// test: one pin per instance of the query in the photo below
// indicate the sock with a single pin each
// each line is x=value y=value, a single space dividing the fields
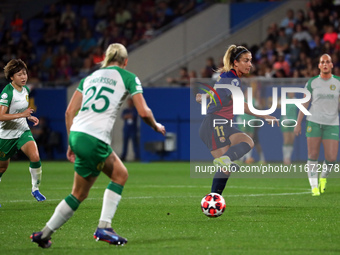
x=312 y=174
x=1 y=175
x=237 y=151
x=36 y=173
x=248 y=155
x=326 y=170
x=112 y=196
x=287 y=151
x=262 y=156
x=219 y=182
x=63 y=212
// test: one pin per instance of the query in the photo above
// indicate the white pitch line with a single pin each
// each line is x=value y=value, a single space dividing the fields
x=162 y=197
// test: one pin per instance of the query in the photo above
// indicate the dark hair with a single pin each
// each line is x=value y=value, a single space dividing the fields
x=14 y=66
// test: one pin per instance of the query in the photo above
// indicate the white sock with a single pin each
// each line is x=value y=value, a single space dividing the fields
x=312 y=173
x=248 y=155
x=326 y=169
x=110 y=203
x=61 y=214
x=36 y=174
x=286 y=152
x=262 y=156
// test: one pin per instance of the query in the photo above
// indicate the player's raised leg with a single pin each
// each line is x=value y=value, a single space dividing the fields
x=118 y=174
x=65 y=209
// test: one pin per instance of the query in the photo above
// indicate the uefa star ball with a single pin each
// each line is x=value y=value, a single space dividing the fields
x=213 y=205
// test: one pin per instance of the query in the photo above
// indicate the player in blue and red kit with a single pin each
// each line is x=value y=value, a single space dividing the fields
x=225 y=141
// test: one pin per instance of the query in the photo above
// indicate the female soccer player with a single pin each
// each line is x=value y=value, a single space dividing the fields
x=322 y=124
x=98 y=99
x=288 y=132
x=226 y=142
x=14 y=131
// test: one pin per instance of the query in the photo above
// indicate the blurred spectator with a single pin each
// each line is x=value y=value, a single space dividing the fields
x=98 y=55
x=87 y=44
x=17 y=23
x=71 y=42
x=7 y=40
x=67 y=29
x=62 y=56
x=301 y=34
x=76 y=61
x=83 y=28
x=100 y=8
x=288 y=22
x=51 y=18
x=300 y=17
x=149 y=31
x=122 y=16
x=183 y=79
x=68 y=14
x=330 y=35
x=210 y=66
x=282 y=43
x=281 y=63
x=86 y=68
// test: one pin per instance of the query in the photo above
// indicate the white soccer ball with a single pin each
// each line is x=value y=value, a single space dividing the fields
x=213 y=205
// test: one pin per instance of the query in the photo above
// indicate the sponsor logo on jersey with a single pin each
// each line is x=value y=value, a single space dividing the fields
x=27 y=98
x=332 y=87
x=309 y=129
x=139 y=87
x=2 y=154
x=235 y=82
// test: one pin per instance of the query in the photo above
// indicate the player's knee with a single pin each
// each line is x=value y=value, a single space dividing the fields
x=34 y=157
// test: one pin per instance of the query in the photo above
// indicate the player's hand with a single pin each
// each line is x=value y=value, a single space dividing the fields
x=70 y=155
x=35 y=120
x=160 y=128
x=27 y=112
x=198 y=98
x=271 y=119
x=297 y=130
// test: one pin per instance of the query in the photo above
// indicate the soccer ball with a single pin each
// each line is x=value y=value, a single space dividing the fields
x=213 y=205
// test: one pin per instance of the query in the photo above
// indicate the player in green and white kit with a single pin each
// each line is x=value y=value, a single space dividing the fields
x=98 y=98
x=288 y=132
x=14 y=131
x=322 y=124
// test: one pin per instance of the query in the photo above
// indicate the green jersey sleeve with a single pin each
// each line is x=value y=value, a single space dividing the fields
x=6 y=96
x=81 y=85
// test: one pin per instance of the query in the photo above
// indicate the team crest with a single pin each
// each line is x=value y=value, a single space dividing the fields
x=235 y=82
x=332 y=87
x=27 y=98
x=309 y=129
x=100 y=166
x=222 y=139
x=2 y=154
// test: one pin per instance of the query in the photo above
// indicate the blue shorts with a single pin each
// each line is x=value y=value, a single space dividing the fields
x=218 y=136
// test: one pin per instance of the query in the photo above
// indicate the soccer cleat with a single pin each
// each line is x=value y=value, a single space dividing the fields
x=225 y=162
x=315 y=192
x=43 y=243
x=322 y=184
x=38 y=196
x=109 y=235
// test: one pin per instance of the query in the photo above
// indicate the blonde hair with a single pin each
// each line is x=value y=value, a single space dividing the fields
x=233 y=53
x=116 y=52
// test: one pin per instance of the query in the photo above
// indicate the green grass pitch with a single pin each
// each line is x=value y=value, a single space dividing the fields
x=160 y=214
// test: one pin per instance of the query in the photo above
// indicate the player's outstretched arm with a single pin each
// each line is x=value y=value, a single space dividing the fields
x=146 y=114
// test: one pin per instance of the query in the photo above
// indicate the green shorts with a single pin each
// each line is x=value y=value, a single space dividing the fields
x=325 y=131
x=91 y=153
x=8 y=147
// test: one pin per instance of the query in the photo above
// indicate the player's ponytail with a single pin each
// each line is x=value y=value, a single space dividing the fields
x=116 y=52
x=233 y=53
